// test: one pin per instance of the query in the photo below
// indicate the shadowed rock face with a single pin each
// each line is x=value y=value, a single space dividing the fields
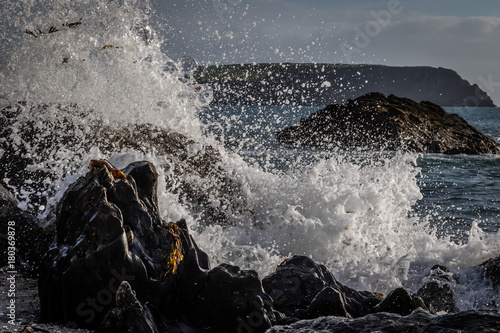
x=491 y=270
x=419 y=322
x=376 y=122
x=116 y=266
x=109 y=232
x=193 y=170
x=303 y=289
x=437 y=291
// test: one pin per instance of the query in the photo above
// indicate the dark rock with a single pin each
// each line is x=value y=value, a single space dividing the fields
x=438 y=295
x=98 y=246
x=377 y=122
x=320 y=84
x=442 y=273
x=400 y=301
x=437 y=291
x=418 y=321
x=225 y=298
x=300 y=287
x=109 y=232
x=328 y=302
x=28 y=157
x=492 y=271
x=129 y=315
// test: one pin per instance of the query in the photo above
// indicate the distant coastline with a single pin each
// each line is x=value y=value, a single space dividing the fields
x=323 y=84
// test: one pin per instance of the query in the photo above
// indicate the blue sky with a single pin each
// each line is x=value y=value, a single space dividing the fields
x=463 y=35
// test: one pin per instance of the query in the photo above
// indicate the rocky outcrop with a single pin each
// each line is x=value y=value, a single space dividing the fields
x=30 y=163
x=401 y=302
x=491 y=270
x=302 y=289
x=377 y=122
x=320 y=84
x=129 y=314
x=418 y=321
x=437 y=289
x=109 y=232
x=116 y=266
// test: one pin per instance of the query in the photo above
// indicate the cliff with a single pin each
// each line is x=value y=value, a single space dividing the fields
x=323 y=84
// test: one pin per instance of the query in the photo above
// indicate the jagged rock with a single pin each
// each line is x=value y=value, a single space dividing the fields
x=437 y=291
x=400 y=301
x=376 y=122
x=328 y=302
x=418 y=321
x=301 y=288
x=31 y=144
x=226 y=298
x=492 y=271
x=108 y=232
x=129 y=315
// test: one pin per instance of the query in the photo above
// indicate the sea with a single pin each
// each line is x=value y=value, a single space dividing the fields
x=378 y=220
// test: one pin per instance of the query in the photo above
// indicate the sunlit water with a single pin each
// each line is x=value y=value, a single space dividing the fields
x=457 y=190
x=377 y=220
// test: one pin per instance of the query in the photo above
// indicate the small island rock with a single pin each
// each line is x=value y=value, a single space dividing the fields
x=377 y=122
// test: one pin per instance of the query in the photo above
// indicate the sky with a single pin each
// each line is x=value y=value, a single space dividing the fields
x=463 y=35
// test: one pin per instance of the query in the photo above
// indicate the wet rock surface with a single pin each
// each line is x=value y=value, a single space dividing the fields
x=491 y=269
x=194 y=170
x=400 y=301
x=116 y=266
x=418 y=321
x=301 y=288
x=109 y=232
x=129 y=314
x=437 y=290
x=377 y=122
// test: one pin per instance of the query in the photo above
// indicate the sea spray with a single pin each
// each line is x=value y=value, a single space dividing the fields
x=72 y=68
x=102 y=56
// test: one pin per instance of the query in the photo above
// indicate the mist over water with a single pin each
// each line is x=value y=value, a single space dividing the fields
x=99 y=63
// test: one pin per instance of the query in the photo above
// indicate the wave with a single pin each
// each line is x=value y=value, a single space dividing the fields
x=99 y=64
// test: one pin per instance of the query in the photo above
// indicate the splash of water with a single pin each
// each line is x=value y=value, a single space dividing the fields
x=99 y=63
x=100 y=55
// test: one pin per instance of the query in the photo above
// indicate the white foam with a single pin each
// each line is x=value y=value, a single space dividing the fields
x=353 y=214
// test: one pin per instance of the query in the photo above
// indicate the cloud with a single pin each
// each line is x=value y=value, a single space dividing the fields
x=468 y=45
x=440 y=40
x=238 y=31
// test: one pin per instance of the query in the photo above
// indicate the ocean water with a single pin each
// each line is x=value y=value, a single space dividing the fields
x=457 y=190
x=378 y=220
